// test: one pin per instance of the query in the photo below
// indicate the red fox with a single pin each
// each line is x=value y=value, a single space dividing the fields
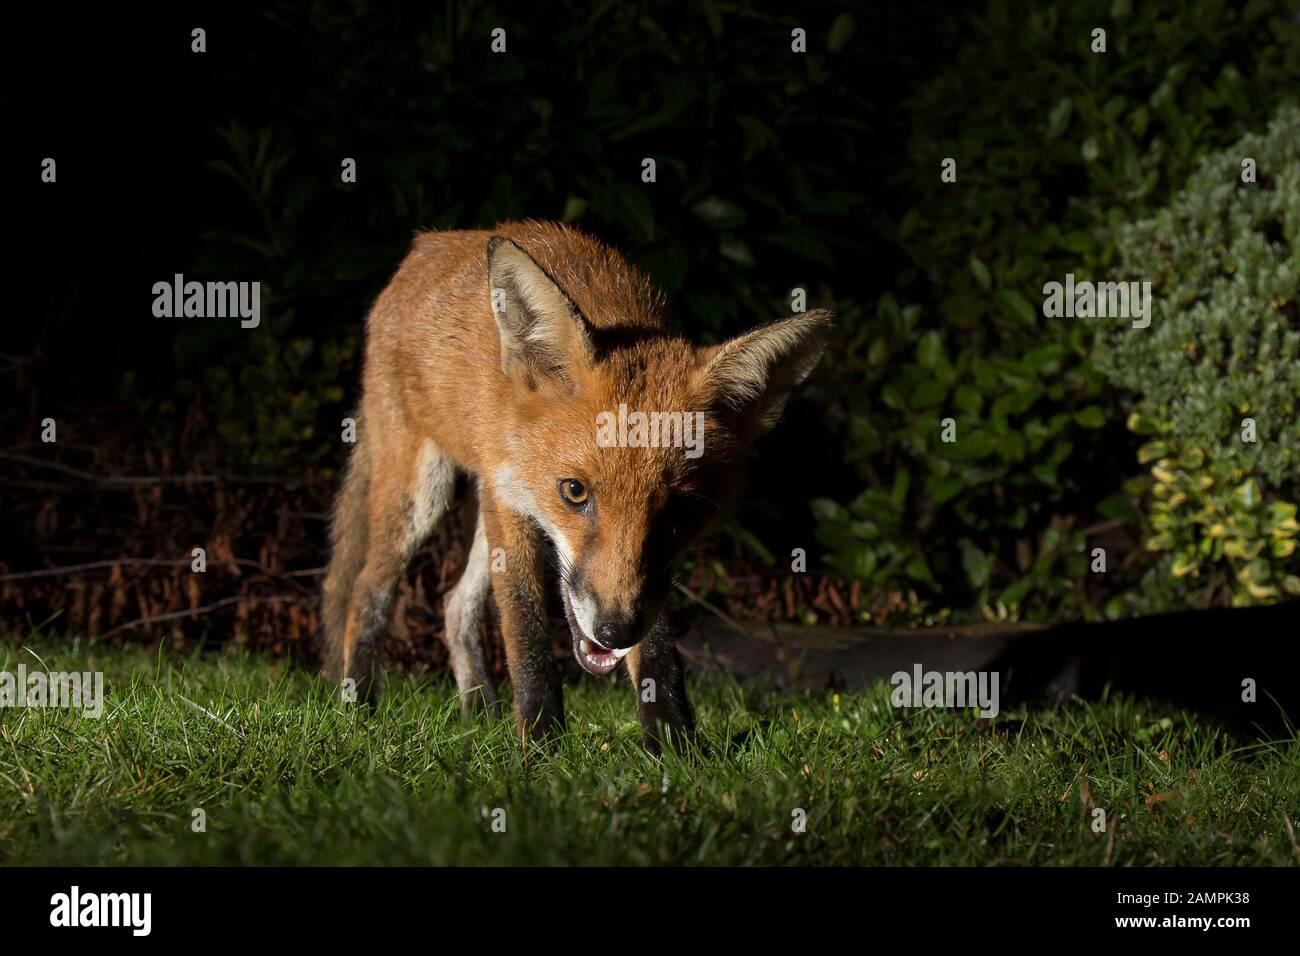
x=515 y=355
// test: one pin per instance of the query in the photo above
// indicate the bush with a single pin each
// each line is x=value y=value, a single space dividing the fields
x=1057 y=149
x=1217 y=372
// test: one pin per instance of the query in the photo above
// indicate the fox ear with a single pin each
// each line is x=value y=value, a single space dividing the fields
x=754 y=374
x=542 y=335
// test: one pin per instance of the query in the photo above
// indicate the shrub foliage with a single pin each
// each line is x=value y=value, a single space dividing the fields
x=1217 y=374
x=1057 y=148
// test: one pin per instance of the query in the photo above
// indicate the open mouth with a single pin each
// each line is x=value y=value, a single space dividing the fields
x=596 y=659
x=593 y=657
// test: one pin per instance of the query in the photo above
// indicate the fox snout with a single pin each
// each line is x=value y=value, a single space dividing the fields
x=605 y=630
x=619 y=632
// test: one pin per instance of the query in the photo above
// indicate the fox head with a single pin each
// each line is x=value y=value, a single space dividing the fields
x=625 y=443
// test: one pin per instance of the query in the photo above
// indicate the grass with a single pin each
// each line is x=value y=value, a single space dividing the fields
x=285 y=774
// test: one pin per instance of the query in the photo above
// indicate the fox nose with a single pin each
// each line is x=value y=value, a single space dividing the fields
x=616 y=632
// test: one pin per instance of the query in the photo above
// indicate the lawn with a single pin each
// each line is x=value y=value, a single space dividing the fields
x=284 y=773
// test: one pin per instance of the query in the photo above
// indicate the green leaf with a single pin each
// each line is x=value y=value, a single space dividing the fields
x=928 y=394
x=946 y=490
x=898 y=494
x=719 y=213
x=824 y=509
x=1161 y=542
x=734 y=249
x=1280 y=511
x=714 y=18
x=929 y=352
x=1045 y=359
x=1246 y=495
x=919 y=570
x=981 y=273
x=1079 y=242
x=750 y=540
x=574 y=207
x=841 y=30
x=1059 y=118
x=878 y=351
x=1090 y=417
x=1016 y=592
x=1137 y=121
x=1015 y=305
x=975 y=563
x=1152 y=451
x=968 y=400
x=970 y=447
x=1116 y=506
x=1141 y=424
x=1016 y=402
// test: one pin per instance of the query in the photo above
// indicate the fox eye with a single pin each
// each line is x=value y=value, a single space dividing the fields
x=574 y=492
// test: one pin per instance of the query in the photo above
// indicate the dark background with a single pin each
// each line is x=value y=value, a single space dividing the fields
x=446 y=135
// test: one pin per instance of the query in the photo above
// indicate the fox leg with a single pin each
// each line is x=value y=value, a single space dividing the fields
x=521 y=605
x=400 y=514
x=655 y=668
x=464 y=626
